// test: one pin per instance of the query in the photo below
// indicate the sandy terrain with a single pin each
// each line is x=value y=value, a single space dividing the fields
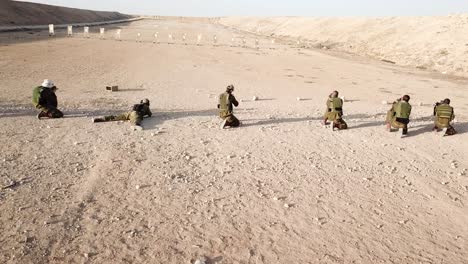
x=433 y=43
x=280 y=189
x=15 y=13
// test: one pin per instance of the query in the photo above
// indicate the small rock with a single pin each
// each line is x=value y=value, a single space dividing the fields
x=255 y=98
x=137 y=187
x=200 y=261
x=384 y=102
x=286 y=205
x=298 y=99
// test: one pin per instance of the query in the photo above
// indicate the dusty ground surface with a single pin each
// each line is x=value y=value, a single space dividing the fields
x=434 y=43
x=280 y=189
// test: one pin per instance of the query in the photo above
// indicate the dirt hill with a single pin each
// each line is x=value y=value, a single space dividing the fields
x=13 y=13
x=433 y=43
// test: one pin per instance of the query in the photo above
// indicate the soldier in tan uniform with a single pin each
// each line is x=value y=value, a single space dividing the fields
x=334 y=112
x=444 y=114
x=399 y=115
x=135 y=116
x=226 y=110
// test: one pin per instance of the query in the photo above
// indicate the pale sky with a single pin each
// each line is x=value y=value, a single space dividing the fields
x=272 y=7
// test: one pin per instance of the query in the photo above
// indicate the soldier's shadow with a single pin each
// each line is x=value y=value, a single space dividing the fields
x=461 y=128
x=159 y=117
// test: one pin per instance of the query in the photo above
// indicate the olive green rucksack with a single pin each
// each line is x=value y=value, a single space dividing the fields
x=402 y=110
x=444 y=111
x=335 y=104
x=223 y=101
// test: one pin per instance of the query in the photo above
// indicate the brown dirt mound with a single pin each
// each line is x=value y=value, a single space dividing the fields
x=13 y=13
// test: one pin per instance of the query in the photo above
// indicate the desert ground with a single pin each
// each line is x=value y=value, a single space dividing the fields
x=280 y=189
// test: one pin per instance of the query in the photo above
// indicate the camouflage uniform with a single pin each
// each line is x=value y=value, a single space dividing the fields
x=135 y=116
x=400 y=117
x=45 y=99
x=444 y=114
x=334 y=113
x=225 y=106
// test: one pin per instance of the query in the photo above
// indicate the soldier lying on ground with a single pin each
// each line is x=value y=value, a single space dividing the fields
x=135 y=116
x=45 y=99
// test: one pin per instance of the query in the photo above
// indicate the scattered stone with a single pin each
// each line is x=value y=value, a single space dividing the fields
x=385 y=102
x=298 y=99
x=137 y=187
x=255 y=98
x=287 y=205
x=200 y=261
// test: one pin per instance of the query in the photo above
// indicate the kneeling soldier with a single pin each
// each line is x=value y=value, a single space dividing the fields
x=45 y=99
x=444 y=114
x=226 y=109
x=400 y=116
x=334 y=112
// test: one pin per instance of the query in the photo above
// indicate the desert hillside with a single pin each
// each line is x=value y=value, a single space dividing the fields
x=13 y=13
x=433 y=43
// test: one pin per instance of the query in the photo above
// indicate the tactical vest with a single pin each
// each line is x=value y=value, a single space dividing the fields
x=224 y=102
x=402 y=110
x=335 y=104
x=444 y=111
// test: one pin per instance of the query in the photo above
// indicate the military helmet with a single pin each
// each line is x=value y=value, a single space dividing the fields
x=446 y=101
x=145 y=101
x=406 y=98
x=230 y=88
x=334 y=94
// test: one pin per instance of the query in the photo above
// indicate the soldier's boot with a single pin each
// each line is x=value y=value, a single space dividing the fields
x=333 y=126
x=223 y=124
x=41 y=115
x=444 y=132
x=98 y=120
x=402 y=132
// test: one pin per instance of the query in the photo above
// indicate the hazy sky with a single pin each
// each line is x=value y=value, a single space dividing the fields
x=272 y=7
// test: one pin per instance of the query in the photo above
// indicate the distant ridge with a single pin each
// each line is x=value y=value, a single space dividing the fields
x=15 y=13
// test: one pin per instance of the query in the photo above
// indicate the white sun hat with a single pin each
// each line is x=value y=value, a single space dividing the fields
x=47 y=83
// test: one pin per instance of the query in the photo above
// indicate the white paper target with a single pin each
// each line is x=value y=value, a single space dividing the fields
x=118 y=34
x=70 y=31
x=51 y=30
x=86 y=32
